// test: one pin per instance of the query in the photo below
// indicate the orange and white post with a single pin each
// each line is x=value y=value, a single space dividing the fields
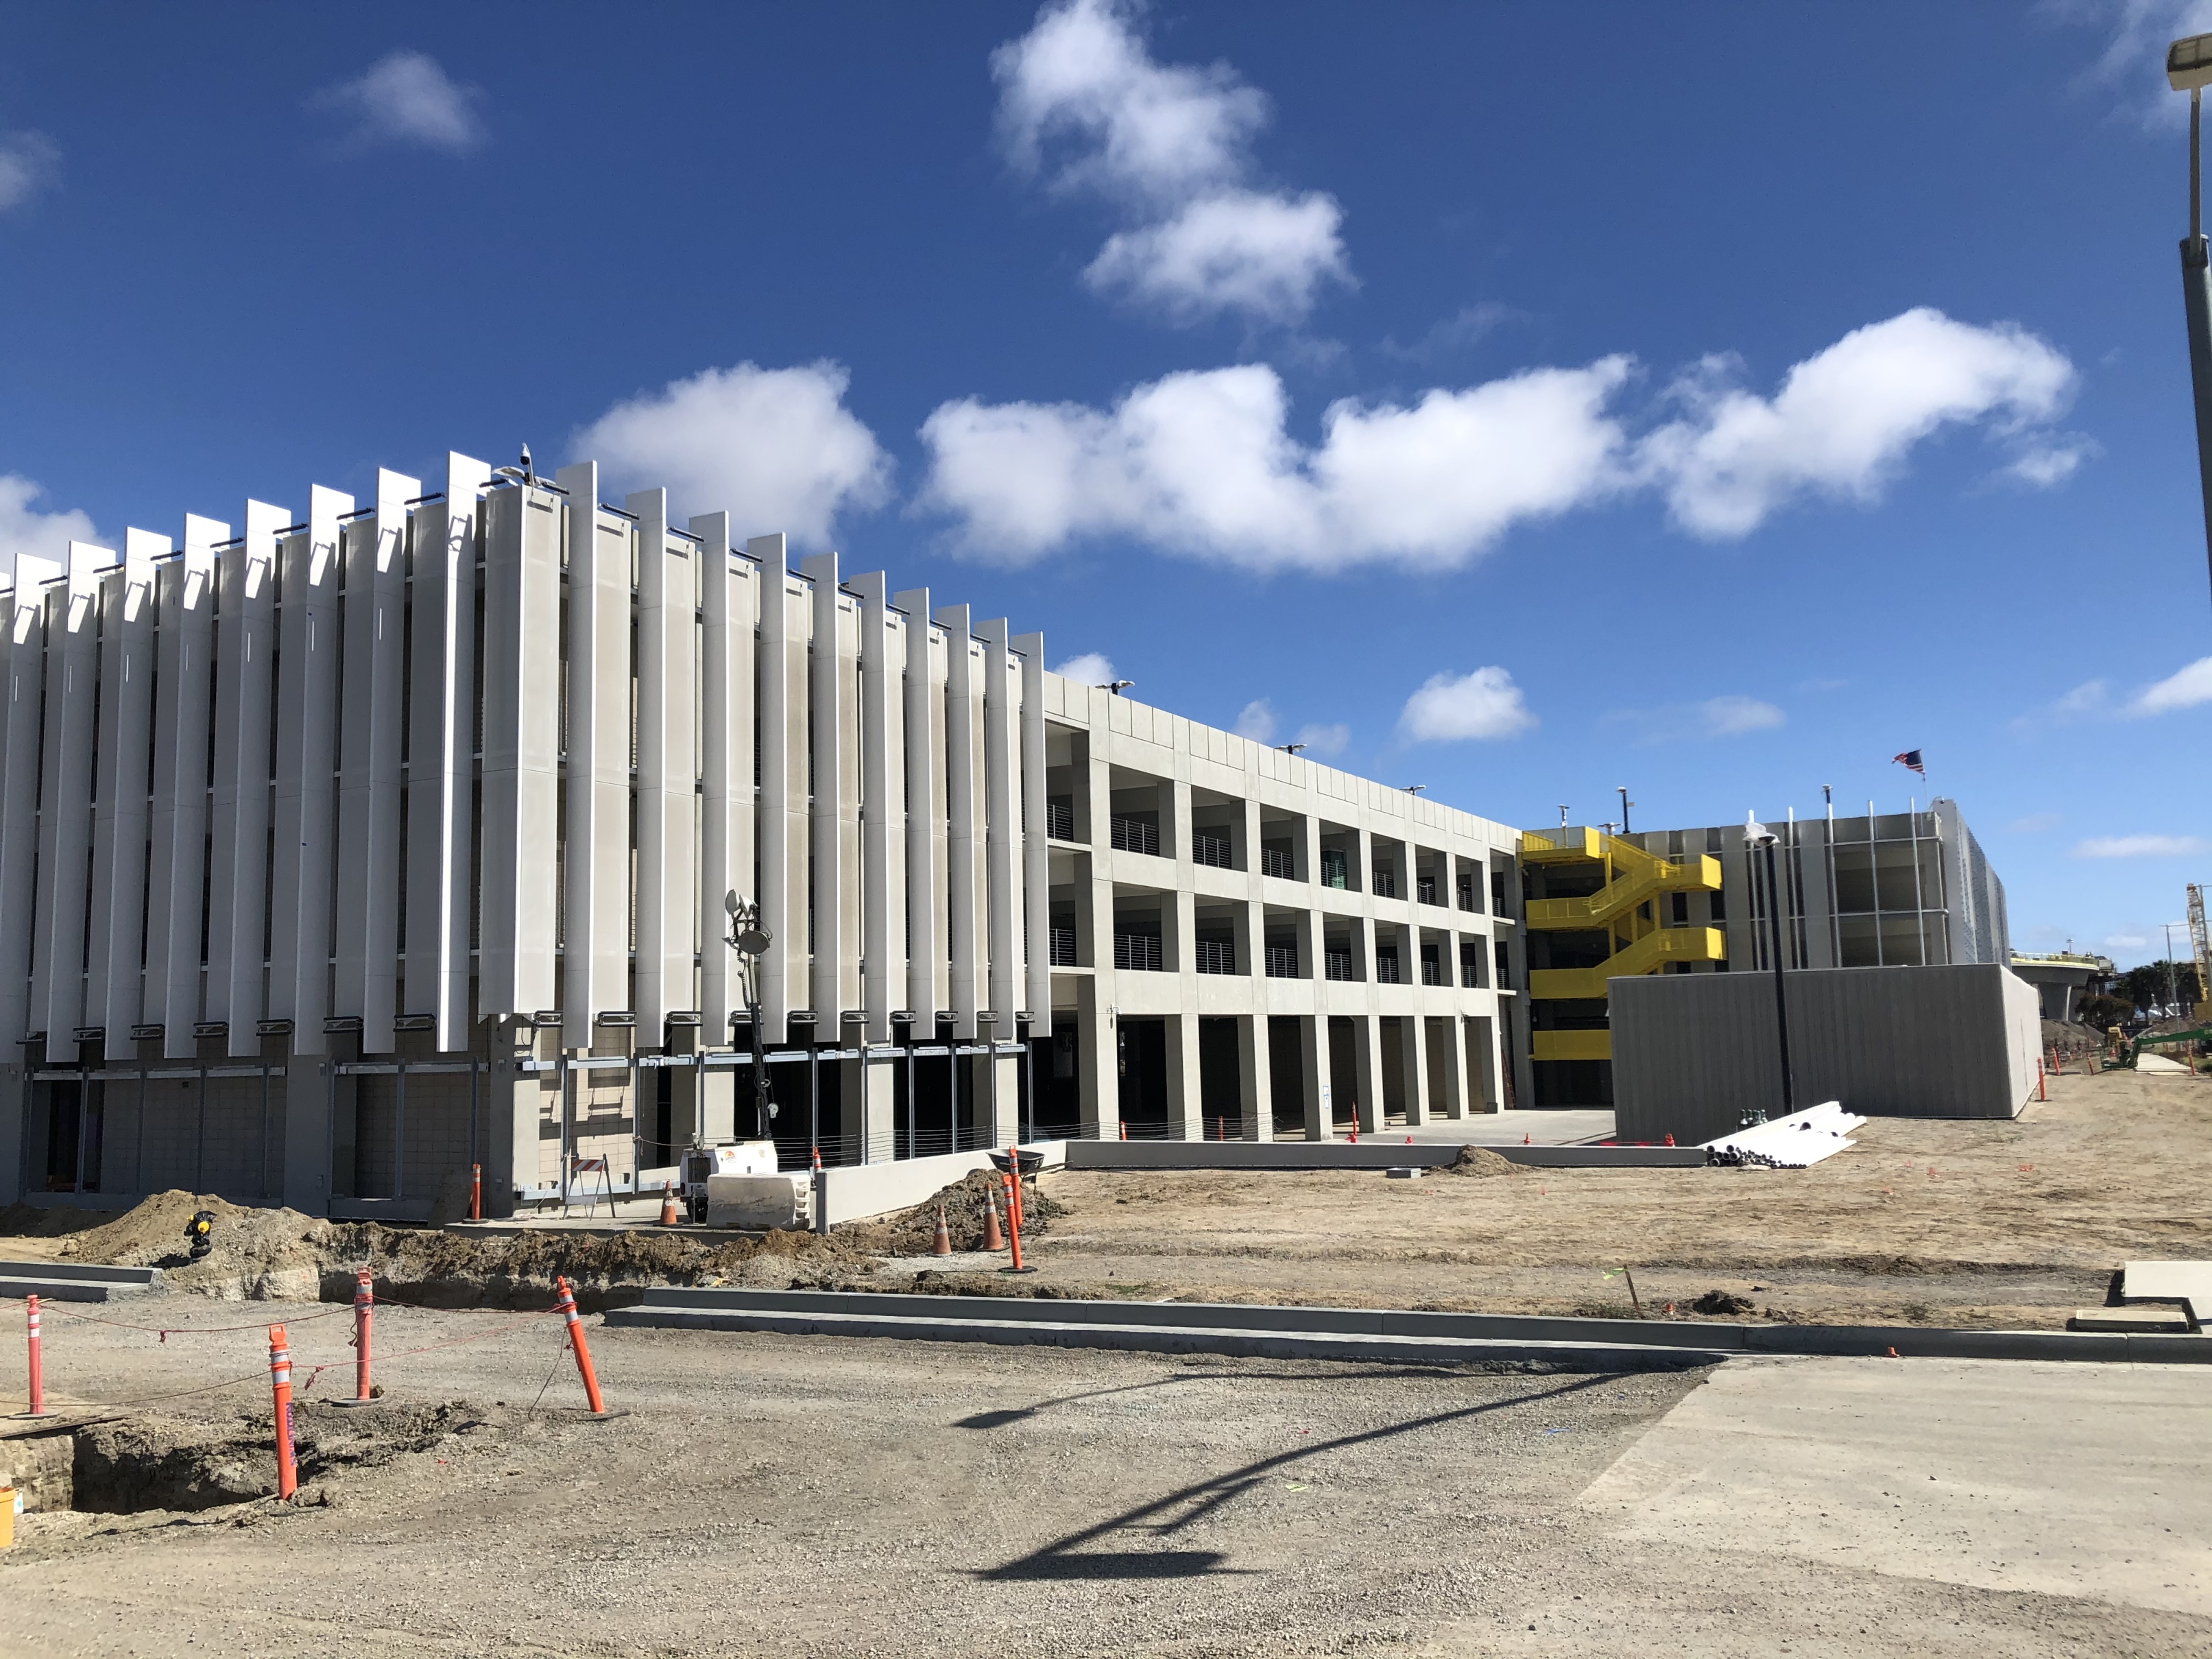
x=280 y=1385
x=364 y=1310
x=581 y=1348
x=35 y=1359
x=476 y=1191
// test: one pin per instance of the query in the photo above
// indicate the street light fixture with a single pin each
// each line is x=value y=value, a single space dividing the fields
x=1117 y=687
x=902 y=1032
x=1757 y=837
x=2189 y=68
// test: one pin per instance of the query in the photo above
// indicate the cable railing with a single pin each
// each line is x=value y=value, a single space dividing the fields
x=1211 y=850
x=1131 y=835
x=1060 y=948
x=1139 y=953
x=1278 y=861
x=1282 y=960
x=1216 y=956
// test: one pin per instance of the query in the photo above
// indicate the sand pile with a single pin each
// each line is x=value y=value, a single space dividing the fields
x=1481 y=1161
x=256 y=1253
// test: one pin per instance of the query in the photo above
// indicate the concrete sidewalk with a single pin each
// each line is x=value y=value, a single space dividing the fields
x=2090 y=1482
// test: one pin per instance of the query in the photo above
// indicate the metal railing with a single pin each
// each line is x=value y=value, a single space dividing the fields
x=1216 y=956
x=1059 y=819
x=1273 y=862
x=1386 y=968
x=1386 y=883
x=1212 y=850
x=1432 y=971
x=1060 y=948
x=1337 y=964
x=1139 y=952
x=1282 y=960
x=1135 y=836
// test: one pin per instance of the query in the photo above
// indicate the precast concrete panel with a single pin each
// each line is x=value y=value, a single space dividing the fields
x=183 y=718
x=1037 y=856
x=730 y=612
x=830 y=695
x=520 y=901
x=440 y=788
x=667 y=776
x=595 y=977
x=883 y=816
x=72 y=696
x=238 y=892
x=921 y=760
x=115 y=974
x=306 y=806
x=1002 y=822
x=782 y=829
x=23 y=606
x=370 y=746
x=966 y=892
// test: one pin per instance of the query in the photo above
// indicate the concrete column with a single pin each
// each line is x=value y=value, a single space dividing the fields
x=1255 y=1080
x=833 y=824
x=520 y=901
x=1004 y=1107
x=1313 y=1075
x=873 y=1083
x=668 y=890
x=1482 y=1064
x=1413 y=1066
x=1006 y=982
x=1098 y=1101
x=1186 y=1098
x=1367 y=1070
x=119 y=825
x=1035 y=872
x=1449 y=1048
x=21 y=650
x=72 y=694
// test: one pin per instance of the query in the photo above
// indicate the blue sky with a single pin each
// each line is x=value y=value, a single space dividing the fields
x=1714 y=400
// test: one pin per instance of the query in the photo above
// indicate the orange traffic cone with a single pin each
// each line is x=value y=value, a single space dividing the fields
x=994 y=1238
x=942 y=1244
x=1125 y=1132
x=667 y=1204
x=1524 y=1137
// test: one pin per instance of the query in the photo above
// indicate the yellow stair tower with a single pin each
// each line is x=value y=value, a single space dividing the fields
x=1625 y=908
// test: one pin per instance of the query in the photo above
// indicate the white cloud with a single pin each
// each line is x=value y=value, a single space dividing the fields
x=406 y=98
x=24 y=529
x=1256 y=721
x=2184 y=689
x=1202 y=463
x=2034 y=823
x=1452 y=707
x=1845 y=418
x=1262 y=255
x=1082 y=100
x=1329 y=740
x=1726 y=716
x=2086 y=698
x=1091 y=668
x=775 y=447
x=28 y=163
x=2126 y=942
x=2047 y=464
x=2141 y=846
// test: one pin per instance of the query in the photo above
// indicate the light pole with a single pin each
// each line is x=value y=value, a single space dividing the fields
x=750 y=941
x=902 y=1026
x=1757 y=837
x=1621 y=790
x=987 y=1026
x=2189 y=68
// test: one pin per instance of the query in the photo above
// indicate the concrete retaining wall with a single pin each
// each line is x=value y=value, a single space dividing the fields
x=1691 y=1053
x=858 y=1191
x=1345 y=1155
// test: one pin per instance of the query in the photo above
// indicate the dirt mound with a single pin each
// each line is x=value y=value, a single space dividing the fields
x=39 y=1221
x=255 y=1254
x=151 y=1461
x=911 y=1233
x=1721 y=1305
x=1481 y=1161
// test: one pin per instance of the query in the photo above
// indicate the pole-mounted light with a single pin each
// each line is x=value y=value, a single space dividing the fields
x=1757 y=838
x=2189 y=68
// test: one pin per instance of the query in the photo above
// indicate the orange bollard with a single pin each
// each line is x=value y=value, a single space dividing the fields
x=1014 y=1186
x=280 y=1385
x=993 y=1239
x=2039 y=1093
x=1014 y=1216
x=364 y=1306
x=580 y=1347
x=668 y=1216
x=1125 y=1131
x=35 y=1359
x=1669 y=1140
x=942 y=1244
x=817 y=1160
x=476 y=1191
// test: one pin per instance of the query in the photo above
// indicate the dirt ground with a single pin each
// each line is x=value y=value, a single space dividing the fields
x=2011 y=1225
x=813 y=1497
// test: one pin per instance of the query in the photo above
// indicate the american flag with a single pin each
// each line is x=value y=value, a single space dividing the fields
x=1910 y=757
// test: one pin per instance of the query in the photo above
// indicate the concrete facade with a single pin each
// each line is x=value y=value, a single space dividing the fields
x=352 y=851
x=1694 y=1053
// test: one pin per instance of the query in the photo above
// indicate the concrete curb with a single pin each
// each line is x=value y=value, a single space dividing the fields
x=1381 y=1152
x=70 y=1281
x=1366 y=1332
